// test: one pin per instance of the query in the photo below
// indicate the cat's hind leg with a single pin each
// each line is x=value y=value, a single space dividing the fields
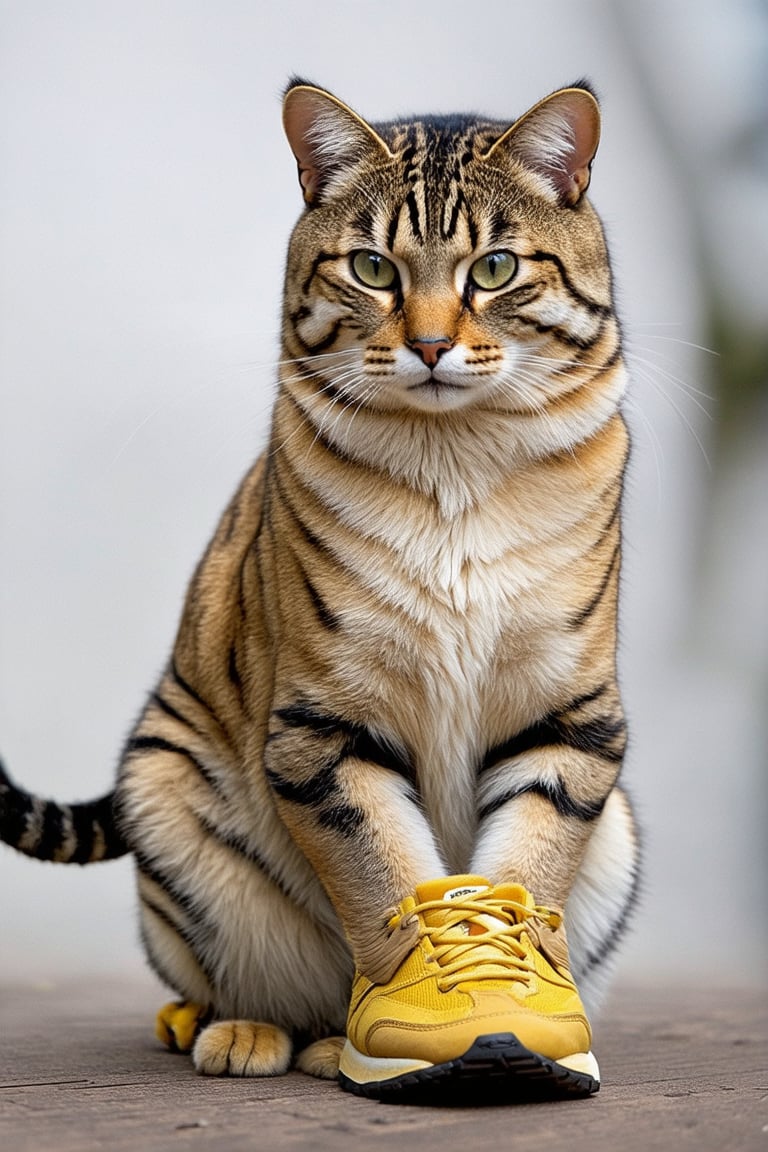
x=321 y=1058
x=242 y=1048
x=603 y=897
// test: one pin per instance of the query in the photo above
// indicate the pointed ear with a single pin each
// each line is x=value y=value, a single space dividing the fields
x=327 y=138
x=558 y=139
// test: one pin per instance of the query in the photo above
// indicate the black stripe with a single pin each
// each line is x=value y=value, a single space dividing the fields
x=183 y=935
x=609 y=523
x=169 y=710
x=557 y=795
x=161 y=915
x=51 y=833
x=233 y=671
x=594 y=737
x=363 y=744
x=325 y=342
x=583 y=615
x=450 y=231
x=15 y=811
x=583 y=343
x=302 y=715
x=173 y=712
x=322 y=792
x=243 y=599
x=591 y=305
x=413 y=212
x=617 y=930
x=90 y=819
x=140 y=744
x=611 y=362
x=309 y=793
x=324 y=614
x=84 y=834
x=241 y=846
x=392 y=230
x=321 y=258
x=500 y=227
x=187 y=687
x=525 y=294
x=359 y=742
x=299 y=314
x=316 y=793
x=314 y=541
x=181 y=899
x=363 y=221
x=540 y=735
x=471 y=226
x=407 y=156
x=342 y=818
x=598 y=736
x=586 y=698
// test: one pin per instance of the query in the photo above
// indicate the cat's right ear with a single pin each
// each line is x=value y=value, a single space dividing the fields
x=327 y=138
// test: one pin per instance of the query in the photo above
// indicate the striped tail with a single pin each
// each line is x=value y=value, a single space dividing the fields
x=65 y=833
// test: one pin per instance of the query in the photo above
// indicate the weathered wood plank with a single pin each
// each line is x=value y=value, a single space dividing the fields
x=79 y=1070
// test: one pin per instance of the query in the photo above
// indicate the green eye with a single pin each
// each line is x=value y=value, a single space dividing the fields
x=373 y=270
x=493 y=271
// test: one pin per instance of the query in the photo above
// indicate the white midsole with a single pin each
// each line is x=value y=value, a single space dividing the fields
x=365 y=1069
x=583 y=1062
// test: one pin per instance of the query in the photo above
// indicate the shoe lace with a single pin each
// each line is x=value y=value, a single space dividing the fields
x=480 y=939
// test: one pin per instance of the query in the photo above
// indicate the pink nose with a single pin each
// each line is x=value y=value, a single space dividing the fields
x=430 y=349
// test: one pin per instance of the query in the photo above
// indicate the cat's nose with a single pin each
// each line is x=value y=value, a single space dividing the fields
x=430 y=348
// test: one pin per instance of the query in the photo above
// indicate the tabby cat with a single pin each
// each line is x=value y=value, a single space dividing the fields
x=397 y=658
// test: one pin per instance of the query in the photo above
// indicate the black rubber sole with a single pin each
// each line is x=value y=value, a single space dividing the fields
x=497 y=1069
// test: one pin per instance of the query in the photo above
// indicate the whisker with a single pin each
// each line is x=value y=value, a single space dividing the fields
x=689 y=389
x=647 y=373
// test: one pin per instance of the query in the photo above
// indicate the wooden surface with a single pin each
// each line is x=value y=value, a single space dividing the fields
x=80 y=1070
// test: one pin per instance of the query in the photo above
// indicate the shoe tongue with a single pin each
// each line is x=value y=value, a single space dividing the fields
x=458 y=888
x=451 y=888
x=466 y=887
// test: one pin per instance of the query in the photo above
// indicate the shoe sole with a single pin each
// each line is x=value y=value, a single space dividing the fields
x=497 y=1069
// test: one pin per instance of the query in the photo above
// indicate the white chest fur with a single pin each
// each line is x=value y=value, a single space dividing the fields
x=462 y=653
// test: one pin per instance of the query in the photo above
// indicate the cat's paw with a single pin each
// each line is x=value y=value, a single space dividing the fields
x=178 y=1023
x=242 y=1048
x=321 y=1059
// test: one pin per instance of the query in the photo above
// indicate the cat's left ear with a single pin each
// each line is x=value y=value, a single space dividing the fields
x=558 y=139
x=327 y=138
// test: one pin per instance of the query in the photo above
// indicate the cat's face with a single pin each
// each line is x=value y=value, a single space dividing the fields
x=446 y=263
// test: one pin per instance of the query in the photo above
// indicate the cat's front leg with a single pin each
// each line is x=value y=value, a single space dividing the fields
x=551 y=817
x=347 y=797
x=541 y=790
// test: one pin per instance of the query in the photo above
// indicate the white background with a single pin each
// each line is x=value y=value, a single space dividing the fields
x=146 y=196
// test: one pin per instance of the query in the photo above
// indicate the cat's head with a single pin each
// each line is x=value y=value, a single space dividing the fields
x=447 y=261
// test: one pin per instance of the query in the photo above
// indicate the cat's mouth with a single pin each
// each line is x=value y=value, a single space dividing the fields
x=434 y=394
x=432 y=384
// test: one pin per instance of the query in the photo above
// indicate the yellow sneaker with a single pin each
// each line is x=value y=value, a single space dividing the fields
x=484 y=1004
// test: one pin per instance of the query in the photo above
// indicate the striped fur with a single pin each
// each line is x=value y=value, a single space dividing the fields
x=396 y=659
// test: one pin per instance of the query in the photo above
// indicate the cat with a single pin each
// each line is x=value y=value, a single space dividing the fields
x=396 y=661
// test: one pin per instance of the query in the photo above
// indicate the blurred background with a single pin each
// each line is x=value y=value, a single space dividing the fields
x=146 y=197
